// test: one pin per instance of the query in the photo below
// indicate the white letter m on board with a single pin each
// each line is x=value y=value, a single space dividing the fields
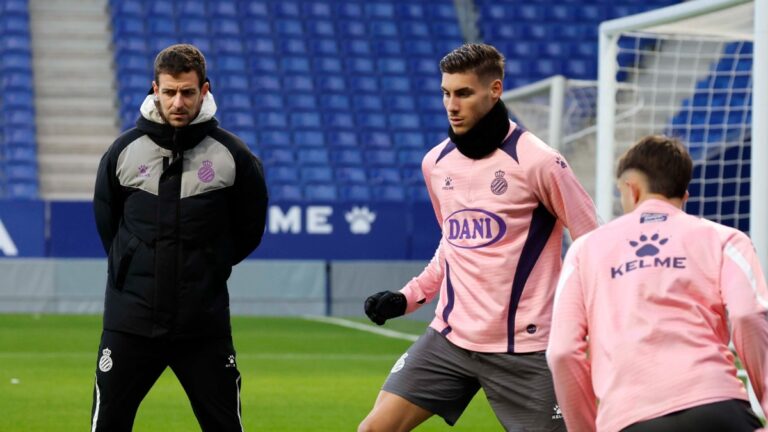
x=6 y=242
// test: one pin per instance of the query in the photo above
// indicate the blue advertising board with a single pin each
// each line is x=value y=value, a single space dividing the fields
x=73 y=230
x=341 y=231
x=22 y=229
x=326 y=231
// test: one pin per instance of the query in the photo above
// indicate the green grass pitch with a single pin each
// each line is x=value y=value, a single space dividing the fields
x=298 y=375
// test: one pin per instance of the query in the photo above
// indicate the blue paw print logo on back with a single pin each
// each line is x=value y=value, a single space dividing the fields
x=647 y=246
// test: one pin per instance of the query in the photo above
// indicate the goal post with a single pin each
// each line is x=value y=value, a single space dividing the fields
x=697 y=71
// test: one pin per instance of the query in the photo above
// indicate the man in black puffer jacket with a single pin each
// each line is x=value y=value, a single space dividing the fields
x=178 y=202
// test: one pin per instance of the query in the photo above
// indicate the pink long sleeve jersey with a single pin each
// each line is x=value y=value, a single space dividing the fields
x=650 y=292
x=498 y=260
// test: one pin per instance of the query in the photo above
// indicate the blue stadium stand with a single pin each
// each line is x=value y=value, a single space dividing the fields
x=712 y=122
x=18 y=145
x=349 y=86
x=540 y=39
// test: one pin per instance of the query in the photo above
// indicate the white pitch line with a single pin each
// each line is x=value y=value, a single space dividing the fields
x=256 y=356
x=363 y=327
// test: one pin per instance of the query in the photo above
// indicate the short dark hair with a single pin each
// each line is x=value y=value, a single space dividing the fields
x=482 y=59
x=665 y=162
x=180 y=58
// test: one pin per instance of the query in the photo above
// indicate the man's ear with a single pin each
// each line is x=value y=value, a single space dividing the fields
x=497 y=88
x=205 y=88
x=635 y=191
x=154 y=87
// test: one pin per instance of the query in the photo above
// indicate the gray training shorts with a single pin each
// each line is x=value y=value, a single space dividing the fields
x=442 y=378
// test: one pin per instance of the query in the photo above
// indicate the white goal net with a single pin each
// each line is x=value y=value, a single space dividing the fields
x=691 y=79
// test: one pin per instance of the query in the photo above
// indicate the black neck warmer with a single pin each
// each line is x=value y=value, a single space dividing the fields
x=484 y=137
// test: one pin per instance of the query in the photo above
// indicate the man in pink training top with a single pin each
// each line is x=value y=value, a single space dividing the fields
x=501 y=197
x=643 y=306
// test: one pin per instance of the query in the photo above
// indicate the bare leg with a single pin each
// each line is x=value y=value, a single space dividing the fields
x=392 y=413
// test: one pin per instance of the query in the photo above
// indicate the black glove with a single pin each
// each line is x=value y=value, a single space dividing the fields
x=385 y=305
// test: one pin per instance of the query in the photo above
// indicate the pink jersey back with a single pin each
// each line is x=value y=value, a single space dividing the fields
x=650 y=292
x=499 y=257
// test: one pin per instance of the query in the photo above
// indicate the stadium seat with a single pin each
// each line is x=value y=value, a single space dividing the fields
x=410 y=158
x=312 y=156
x=391 y=48
x=385 y=175
x=331 y=83
x=367 y=84
x=326 y=65
x=302 y=101
x=347 y=157
x=278 y=156
x=269 y=101
x=335 y=102
x=412 y=175
x=342 y=139
x=324 y=46
x=303 y=120
x=273 y=119
x=352 y=29
x=321 y=28
x=371 y=120
x=192 y=8
x=159 y=25
x=339 y=120
x=254 y=26
x=417 y=193
x=388 y=193
x=368 y=103
x=377 y=140
x=355 y=193
x=223 y=9
x=414 y=30
x=357 y=47
x=351 y=174
x=298 y=83
x=409 y=140
x=400 y=103
x=276 y=138
x=316 y=174
x=259 y=83
x=318 y=9
x=381 y=157
x=380 y=10
x=384 y=29
x=309 y=138
x=286 y=192
x=282 y=174
x=294 y=47
x=349 y=10
x=321 y=192
x=286 y=9
x=226 y=27
x=404 y=121
x=413 y=11
x=360 y=66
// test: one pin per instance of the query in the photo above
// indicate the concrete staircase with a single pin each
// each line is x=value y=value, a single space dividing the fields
x=75 y=97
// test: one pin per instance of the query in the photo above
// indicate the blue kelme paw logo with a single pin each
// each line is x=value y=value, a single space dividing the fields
x=648 y=249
